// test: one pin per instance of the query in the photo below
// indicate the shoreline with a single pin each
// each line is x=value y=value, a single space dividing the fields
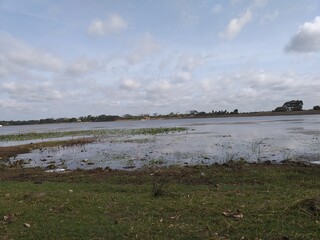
x=183 y=116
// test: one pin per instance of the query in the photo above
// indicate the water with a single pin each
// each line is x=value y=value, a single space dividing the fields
x=207 y=141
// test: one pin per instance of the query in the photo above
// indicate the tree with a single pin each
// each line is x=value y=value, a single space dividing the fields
x=316 y=107
x=294 y=105
x=236 y=111
x=280 y=109
x=193 y=112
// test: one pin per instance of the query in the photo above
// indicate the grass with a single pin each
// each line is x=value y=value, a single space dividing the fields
x=274 y=200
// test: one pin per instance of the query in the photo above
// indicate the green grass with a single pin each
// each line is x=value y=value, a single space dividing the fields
x=122 y=205
x=97 y=133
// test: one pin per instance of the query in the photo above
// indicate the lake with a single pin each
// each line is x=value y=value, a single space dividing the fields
x=207 y=141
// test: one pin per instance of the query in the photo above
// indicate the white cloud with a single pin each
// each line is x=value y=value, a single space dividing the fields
x=82 y=66
x=161 y=90
x=114 y=24
x=189 y=62
x=236 y=25
x=33 y=77
x=258 y=90
x=181 y=76
x=17 y=55
x=129 y=84
x=307 y=39
x=146 y=47
x=31 y=93
x=185 y=66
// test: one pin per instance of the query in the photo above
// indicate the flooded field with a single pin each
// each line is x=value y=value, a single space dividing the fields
x=205 y=141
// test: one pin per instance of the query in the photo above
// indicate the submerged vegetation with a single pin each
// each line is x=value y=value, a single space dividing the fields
x=12 y=151
x=96 y=133
x=230 y=201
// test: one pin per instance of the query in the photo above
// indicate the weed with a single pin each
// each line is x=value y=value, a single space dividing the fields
x=256 y=149
x=287 y=155
x=226 y=154
x=158 y=185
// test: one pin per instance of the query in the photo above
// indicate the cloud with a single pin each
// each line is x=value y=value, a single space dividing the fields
x=113 y=24
x=236 y=25
x=307 y=39
x=257 y=90
x=129 y=84
x=17 y=55
x=26 y=92
x=145 y=47
x=181 y=76
x=189 y=62
x=82 y=66
x=33 y=77
x=160 y=90
x=185 y=66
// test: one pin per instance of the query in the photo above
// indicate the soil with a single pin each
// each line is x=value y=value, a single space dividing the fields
x=12 y=151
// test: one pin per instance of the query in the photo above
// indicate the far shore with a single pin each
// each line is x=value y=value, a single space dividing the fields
x=175 y=116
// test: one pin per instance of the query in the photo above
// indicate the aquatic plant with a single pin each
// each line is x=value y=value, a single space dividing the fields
x=158 y=186
x=226 y=154
x=256 y=149
x=96 y=133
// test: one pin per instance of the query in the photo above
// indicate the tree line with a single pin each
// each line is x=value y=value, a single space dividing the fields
x=108 y=118
x=294 y=105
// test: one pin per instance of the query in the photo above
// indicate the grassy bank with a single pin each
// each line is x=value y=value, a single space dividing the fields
x=234 y=201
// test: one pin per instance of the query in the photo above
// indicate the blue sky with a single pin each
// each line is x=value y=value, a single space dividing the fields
x=74 y=58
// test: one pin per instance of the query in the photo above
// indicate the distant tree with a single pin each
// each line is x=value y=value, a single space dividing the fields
x=280 y=109
x=193 y=112
x=316 y=107
x=236 y=111
x=73 y=119
x=294 y=105
x=47 y=120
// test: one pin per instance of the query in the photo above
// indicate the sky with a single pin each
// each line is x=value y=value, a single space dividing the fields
x=72 y=58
